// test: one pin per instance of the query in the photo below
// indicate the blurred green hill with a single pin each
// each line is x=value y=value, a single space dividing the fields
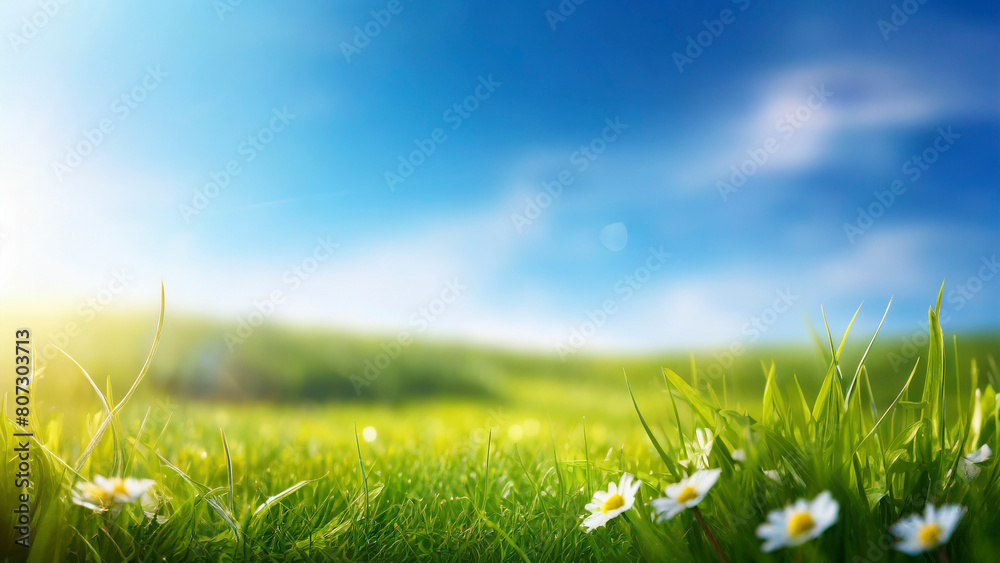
x=300 y=365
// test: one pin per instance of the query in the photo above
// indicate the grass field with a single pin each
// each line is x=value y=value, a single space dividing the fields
x=454 y=454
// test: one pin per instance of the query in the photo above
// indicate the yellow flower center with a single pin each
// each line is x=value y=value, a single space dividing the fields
x=95 y=491
x=929 y=535
x=614 y=502
x=100 y=495
x=800 y=523
x=119 y=488
x=687 y=494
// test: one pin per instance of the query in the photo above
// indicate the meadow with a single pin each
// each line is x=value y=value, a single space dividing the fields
x=272 y=451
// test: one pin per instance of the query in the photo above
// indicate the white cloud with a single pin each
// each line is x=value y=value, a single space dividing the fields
x=712 y=309
x=869 y=102
x=888 y=259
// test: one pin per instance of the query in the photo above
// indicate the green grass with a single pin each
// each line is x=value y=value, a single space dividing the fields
x=445 y=478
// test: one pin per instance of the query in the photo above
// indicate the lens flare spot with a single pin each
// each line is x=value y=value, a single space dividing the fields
x=614 y=236
x=369 y=434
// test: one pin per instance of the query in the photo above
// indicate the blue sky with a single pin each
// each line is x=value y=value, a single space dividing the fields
x=209 y=84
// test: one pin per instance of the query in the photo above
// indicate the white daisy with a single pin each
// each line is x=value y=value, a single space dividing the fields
x=918 y=535
x=968 y=467
x=104 y=493
x=799 y=522
x=701 y=448
x=773 y=475
x=154 y=504
x=608 y=504
x=686 y=494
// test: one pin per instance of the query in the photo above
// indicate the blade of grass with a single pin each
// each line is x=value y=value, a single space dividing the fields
x=649 y=432
x=958 y=380
x=847 y=396
x=135 y=445
x=206 y=493
x=816 y=339
x=262 y=509
x=586 y=454
x=833 y=352
x=848 y=331
x=506 y=537
x=486 y=474
x=702 y=409
x=142 y=373
x=364 y=477
x=933 y=394
x=555 y=459
x=100 y=394
x=888 y=410
x=677 y=415
x=229 y=469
